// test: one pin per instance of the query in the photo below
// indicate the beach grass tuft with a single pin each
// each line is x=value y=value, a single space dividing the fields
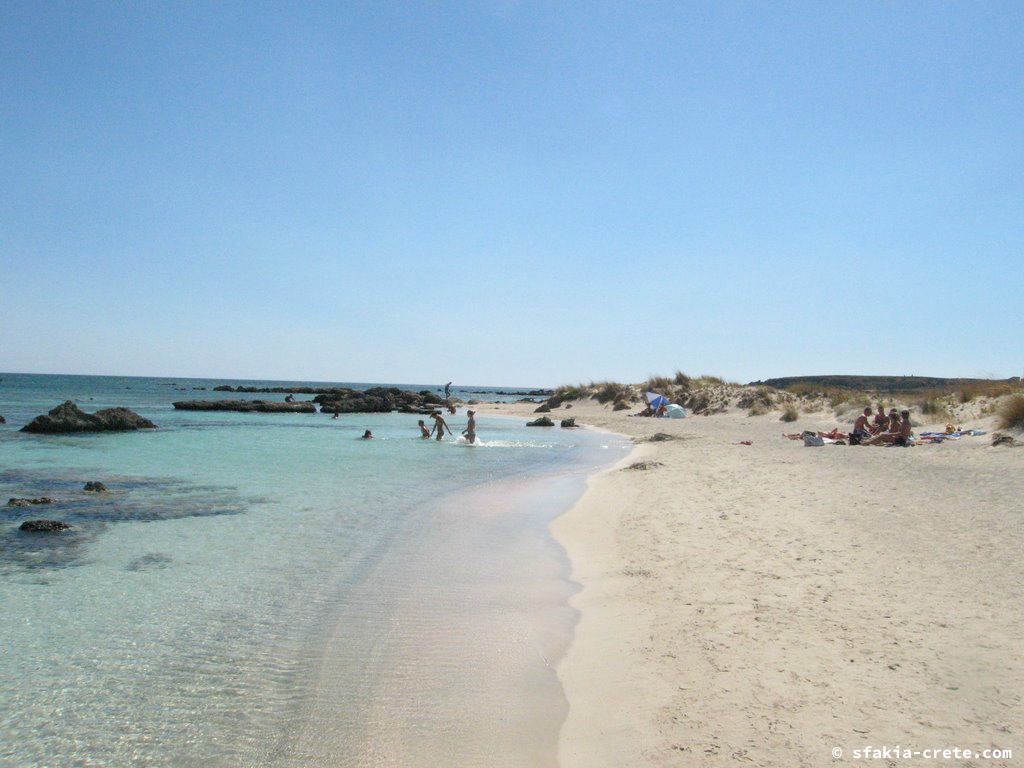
x=789 y=413
x=1011 y=413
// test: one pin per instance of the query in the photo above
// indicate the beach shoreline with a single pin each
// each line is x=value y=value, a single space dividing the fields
x=767 y=603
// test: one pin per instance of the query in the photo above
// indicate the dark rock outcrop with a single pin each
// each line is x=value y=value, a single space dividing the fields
x=543 y=421
x=378 y=400
x=568 y=423
x=246 y=406
x=95 y=486
x=43 y=526
x=542 y=408
x=68 y=417
x=29 y=502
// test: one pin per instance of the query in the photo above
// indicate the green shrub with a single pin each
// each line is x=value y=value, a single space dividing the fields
x=569 y=393
x=609 y=391
x=681 y=379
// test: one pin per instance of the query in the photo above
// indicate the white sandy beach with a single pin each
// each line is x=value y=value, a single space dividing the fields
x=766 y=604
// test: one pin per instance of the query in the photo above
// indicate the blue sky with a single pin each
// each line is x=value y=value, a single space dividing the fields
x=511 y=193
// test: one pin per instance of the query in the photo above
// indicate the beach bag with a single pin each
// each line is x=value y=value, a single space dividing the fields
x=854 y=438
x=813 y=440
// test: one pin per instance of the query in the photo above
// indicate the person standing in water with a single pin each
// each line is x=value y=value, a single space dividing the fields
x=448 y=391
x=440 y=425
x=470 y=432
x=424 y=432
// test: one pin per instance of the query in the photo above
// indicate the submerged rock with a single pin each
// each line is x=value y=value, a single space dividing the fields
x=95 y=486
x=543 y=421
x=43 y=526
x=3 y=420
x=29 y=502
x=68 y=417
x=152 y=561
x=246 y=406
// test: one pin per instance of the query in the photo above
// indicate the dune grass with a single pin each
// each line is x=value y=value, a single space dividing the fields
x=789 y=413
x=1011 y=413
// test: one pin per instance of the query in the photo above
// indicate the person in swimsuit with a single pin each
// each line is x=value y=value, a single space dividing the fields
x=424 y=432
x=860 y=426
x=470 y=432
x=448 y=391
x=367 y=435
x=905 y=431
x=439 y=425
x=881 y=421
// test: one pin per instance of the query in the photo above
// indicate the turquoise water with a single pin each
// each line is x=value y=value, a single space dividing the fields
x=266 y=589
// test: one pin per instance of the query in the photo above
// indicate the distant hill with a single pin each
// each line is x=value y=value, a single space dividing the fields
x=881 y=383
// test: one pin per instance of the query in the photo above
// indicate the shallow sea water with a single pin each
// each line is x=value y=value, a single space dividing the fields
x=266 y=589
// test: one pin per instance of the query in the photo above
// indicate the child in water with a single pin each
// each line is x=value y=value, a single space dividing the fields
x=424 y=432
x=470 y=432
x=439 y=425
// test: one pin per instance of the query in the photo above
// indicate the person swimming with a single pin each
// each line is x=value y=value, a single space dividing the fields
x=367 y=435
x=470 y=432
x=439 y=425
x=424 y=431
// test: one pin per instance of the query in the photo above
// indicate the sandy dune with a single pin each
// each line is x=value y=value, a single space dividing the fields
x=764 y=604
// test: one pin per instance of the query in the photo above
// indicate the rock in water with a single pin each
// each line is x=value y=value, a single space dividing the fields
x=3 y=420
x=44 y=526
x=68 y=417
x=543 y=421
x=29 y=502
x=247 y=406
x=95 y=487
x=568 y=423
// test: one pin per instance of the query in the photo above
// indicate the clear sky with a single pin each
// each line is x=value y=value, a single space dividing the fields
x=511 y=193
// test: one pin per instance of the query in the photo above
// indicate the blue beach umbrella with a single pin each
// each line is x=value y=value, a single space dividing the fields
x=655 y=400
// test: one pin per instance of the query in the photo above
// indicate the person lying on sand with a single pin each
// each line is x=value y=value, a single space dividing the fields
x=439 y=425
x=424 y=432
x=470 y=432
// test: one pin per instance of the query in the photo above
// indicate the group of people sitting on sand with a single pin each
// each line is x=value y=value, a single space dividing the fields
x=884 y=429
x=891 y=428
